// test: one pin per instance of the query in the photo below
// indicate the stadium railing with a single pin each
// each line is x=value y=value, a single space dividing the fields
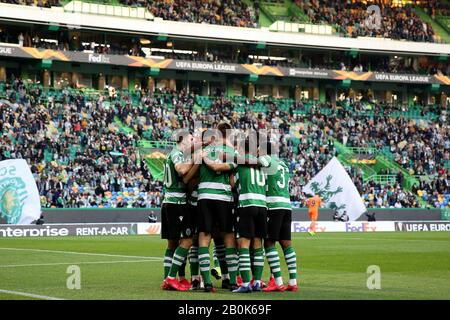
x=159 y=144
x=382 y=179
x=346 y=154
x=92 y=7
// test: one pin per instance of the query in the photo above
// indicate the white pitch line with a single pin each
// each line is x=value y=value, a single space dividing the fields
x=29 y=295
x=72 y=263
x=82 y=253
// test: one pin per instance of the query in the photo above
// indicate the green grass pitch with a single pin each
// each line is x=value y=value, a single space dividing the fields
x=331 y=266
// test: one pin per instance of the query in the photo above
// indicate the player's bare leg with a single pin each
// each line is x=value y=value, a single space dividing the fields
x=312 y=228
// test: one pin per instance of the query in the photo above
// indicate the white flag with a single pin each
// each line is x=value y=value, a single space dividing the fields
x=19 y=196
x=336 y=189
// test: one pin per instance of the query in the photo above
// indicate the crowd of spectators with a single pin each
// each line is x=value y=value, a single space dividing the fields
x=436 y=8
x=81 y=158
x=389 y=195
x=220 y=12
x=78 y=156
x=420 y=147
x=38 y=3
x=427 y=143
x=316 y=149
x=352 y=19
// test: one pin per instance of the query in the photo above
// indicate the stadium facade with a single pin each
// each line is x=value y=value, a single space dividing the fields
x=209 y=58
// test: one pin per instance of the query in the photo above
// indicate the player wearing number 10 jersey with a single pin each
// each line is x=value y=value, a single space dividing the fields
x=251 y=227
x=279 y=218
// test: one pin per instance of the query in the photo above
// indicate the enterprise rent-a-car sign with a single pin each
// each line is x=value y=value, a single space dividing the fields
x=62 y=230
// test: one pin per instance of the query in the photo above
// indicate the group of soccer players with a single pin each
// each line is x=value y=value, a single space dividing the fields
x=236 y=194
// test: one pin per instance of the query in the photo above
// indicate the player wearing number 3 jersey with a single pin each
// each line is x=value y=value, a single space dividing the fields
x=279 y=218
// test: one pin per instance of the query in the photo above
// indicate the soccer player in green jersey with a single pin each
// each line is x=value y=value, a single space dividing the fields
x=176 y=221
x=191 y=179
x=279 y=218
x=215 y=207
x=251 y=218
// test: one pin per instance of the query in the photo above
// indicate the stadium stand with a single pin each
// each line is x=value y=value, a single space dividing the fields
x=229 y=12
x=84 y=145
x=349 y=18
x=78 y=155
x=104 y=147
x=38 y=3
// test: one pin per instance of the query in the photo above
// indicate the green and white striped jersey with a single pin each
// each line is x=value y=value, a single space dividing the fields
x=251 y=185
x=174 y=187
x=277 y=195
x=216 y=185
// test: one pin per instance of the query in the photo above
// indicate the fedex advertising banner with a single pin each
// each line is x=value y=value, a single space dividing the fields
x=351 y=226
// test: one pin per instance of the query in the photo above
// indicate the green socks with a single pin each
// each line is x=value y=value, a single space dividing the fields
x=252 y=257
x=178 y=260
x=220 y=253
x=274 y=262
x=167 y=261
x=244 y=265
x=193 y=261
x=204 y=263
x=258 y=263
x=291 y=261
x=232 y=264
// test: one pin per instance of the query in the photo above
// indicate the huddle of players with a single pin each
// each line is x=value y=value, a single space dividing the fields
x=199 y=205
